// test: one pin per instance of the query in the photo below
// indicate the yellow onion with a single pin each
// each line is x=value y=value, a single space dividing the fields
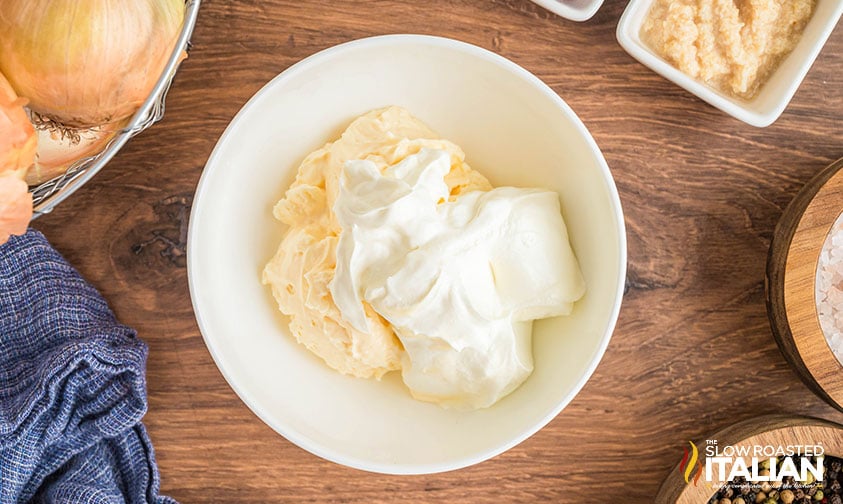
x=17 y=152
x=87 y=62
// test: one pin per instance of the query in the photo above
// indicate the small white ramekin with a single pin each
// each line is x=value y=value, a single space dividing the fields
x=775 y=94
x=575 y=10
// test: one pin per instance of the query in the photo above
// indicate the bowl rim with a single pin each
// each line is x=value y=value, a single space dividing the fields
x=627 y=36
x=304 y=441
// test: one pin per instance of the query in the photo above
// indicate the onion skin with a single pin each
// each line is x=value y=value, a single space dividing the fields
x=17 y=152
x=17 y=135
x=87 y=62
x=15 y=206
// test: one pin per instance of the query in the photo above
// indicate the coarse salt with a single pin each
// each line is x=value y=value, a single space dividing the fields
x=829 y=288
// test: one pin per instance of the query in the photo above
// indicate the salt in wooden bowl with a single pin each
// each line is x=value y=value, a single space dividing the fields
x=791 y=283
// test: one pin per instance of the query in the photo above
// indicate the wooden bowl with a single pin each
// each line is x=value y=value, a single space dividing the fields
x=772 y=430
x=790 y=283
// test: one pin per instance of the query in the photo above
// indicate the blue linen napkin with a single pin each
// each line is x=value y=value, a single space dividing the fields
x=72 y=388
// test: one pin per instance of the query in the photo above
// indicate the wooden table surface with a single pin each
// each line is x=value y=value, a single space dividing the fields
x=701 y=193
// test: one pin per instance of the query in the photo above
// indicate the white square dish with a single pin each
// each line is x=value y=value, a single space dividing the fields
x=774 y=95
x=575 y=10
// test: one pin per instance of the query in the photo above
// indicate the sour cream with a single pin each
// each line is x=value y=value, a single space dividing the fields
x=460 y=280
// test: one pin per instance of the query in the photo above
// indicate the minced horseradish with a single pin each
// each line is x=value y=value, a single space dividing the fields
x=730 y=45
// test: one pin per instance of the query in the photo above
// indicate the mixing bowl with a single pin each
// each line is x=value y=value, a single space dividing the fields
x=514 y=129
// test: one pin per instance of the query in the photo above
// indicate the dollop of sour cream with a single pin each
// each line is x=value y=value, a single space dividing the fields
x=459 y=281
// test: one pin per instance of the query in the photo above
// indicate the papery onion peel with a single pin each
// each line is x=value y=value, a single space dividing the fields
x=15 y=206
x=18 y=144
x=17 y=136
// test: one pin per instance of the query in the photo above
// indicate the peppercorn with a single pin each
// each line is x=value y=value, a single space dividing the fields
x=788 y=490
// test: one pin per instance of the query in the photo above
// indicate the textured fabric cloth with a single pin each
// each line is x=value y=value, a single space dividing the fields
x=72 y=388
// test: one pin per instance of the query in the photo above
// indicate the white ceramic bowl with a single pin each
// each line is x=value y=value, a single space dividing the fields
x=575 y=10
x=774 y=95
x=514 y=129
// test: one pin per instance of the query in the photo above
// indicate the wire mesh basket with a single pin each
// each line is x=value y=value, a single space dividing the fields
x=47 y=195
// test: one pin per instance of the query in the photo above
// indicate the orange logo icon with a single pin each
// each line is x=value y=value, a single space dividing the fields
x=691 y=461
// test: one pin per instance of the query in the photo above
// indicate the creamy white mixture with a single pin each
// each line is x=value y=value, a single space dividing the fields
x=459 y=281
x=304 y=264
x=400 y=256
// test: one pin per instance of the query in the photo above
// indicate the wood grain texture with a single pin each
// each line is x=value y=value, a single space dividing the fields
x=702 y=193
x=791 y=281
